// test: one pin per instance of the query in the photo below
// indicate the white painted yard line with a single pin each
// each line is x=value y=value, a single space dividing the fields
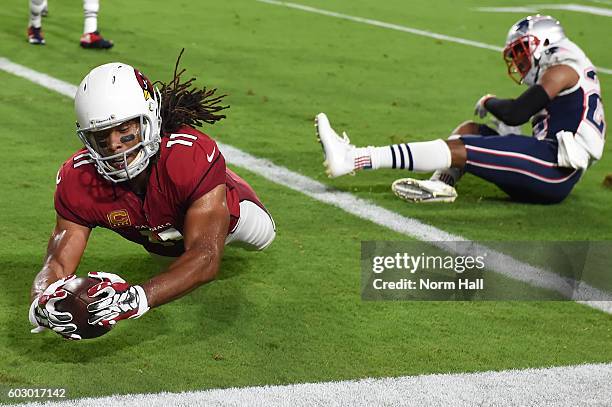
x=382 y=24
x=599 y=11
x=583 y=385
x=396 y=27
x=517 y=9
x=39 y=78
x=496 y=261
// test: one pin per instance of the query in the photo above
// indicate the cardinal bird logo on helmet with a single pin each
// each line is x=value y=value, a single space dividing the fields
x=144 y=83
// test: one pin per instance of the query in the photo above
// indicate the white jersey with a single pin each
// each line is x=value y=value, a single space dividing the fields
x=575 y=117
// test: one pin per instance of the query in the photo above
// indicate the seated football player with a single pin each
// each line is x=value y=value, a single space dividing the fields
x=91 y=37
x=563 y=100
x=149 y=175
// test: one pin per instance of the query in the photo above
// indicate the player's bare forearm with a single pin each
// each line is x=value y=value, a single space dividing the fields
x=193 y=269
x=64 y=250
x=205 y=230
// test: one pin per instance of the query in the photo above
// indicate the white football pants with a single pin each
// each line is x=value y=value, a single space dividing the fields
x=90 y=11
x=255 y=229
x=36 y=8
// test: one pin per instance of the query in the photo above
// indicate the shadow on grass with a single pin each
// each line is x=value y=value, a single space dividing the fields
x=206 y=311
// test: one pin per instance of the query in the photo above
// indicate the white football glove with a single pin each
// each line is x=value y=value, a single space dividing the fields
x=480 y=108
x=503 y=129
x=43 y=314
x=118 y=300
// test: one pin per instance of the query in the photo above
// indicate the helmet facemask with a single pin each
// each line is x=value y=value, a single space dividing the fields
x=117 y=167
x=525 y=44
x=520 y=57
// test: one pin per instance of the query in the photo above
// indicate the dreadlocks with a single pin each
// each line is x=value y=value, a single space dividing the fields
x=183 y=104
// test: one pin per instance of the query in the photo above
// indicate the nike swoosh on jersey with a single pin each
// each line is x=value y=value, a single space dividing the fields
x=210 y=157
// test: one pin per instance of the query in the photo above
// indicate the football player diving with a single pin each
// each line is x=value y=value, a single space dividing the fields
x=563 y=99
x=147 y=174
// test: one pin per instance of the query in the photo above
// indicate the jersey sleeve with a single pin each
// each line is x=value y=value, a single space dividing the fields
x=559 y=55
x=195 y=170
x=67 y=197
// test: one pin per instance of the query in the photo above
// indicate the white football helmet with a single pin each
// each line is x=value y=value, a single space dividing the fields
x=112 y=94
x=524 y=45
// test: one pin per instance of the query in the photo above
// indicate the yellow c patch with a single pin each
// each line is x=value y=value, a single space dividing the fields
x=119 y=218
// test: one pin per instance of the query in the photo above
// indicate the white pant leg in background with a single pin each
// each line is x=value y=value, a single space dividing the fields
x=36 y=8
x=90 y=11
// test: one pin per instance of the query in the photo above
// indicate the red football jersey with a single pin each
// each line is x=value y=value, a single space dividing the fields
x=189 y=166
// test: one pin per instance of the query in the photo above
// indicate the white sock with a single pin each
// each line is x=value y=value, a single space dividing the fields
x=423 y=156
x=36 y=8
x=449 y=176
x=90 y=10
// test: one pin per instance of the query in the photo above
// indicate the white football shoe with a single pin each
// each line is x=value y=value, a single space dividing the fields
x=339 y=152
x=416 y=190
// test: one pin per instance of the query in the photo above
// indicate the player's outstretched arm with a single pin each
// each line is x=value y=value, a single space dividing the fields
x=205 y=230
x=64 y=250
x=204 y=233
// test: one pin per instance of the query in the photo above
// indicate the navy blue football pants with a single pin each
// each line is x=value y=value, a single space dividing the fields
x=523 y=167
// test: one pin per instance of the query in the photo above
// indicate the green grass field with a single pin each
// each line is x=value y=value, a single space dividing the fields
x=292 y=313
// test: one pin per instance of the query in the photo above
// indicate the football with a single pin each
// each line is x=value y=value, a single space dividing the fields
x=76 y=303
